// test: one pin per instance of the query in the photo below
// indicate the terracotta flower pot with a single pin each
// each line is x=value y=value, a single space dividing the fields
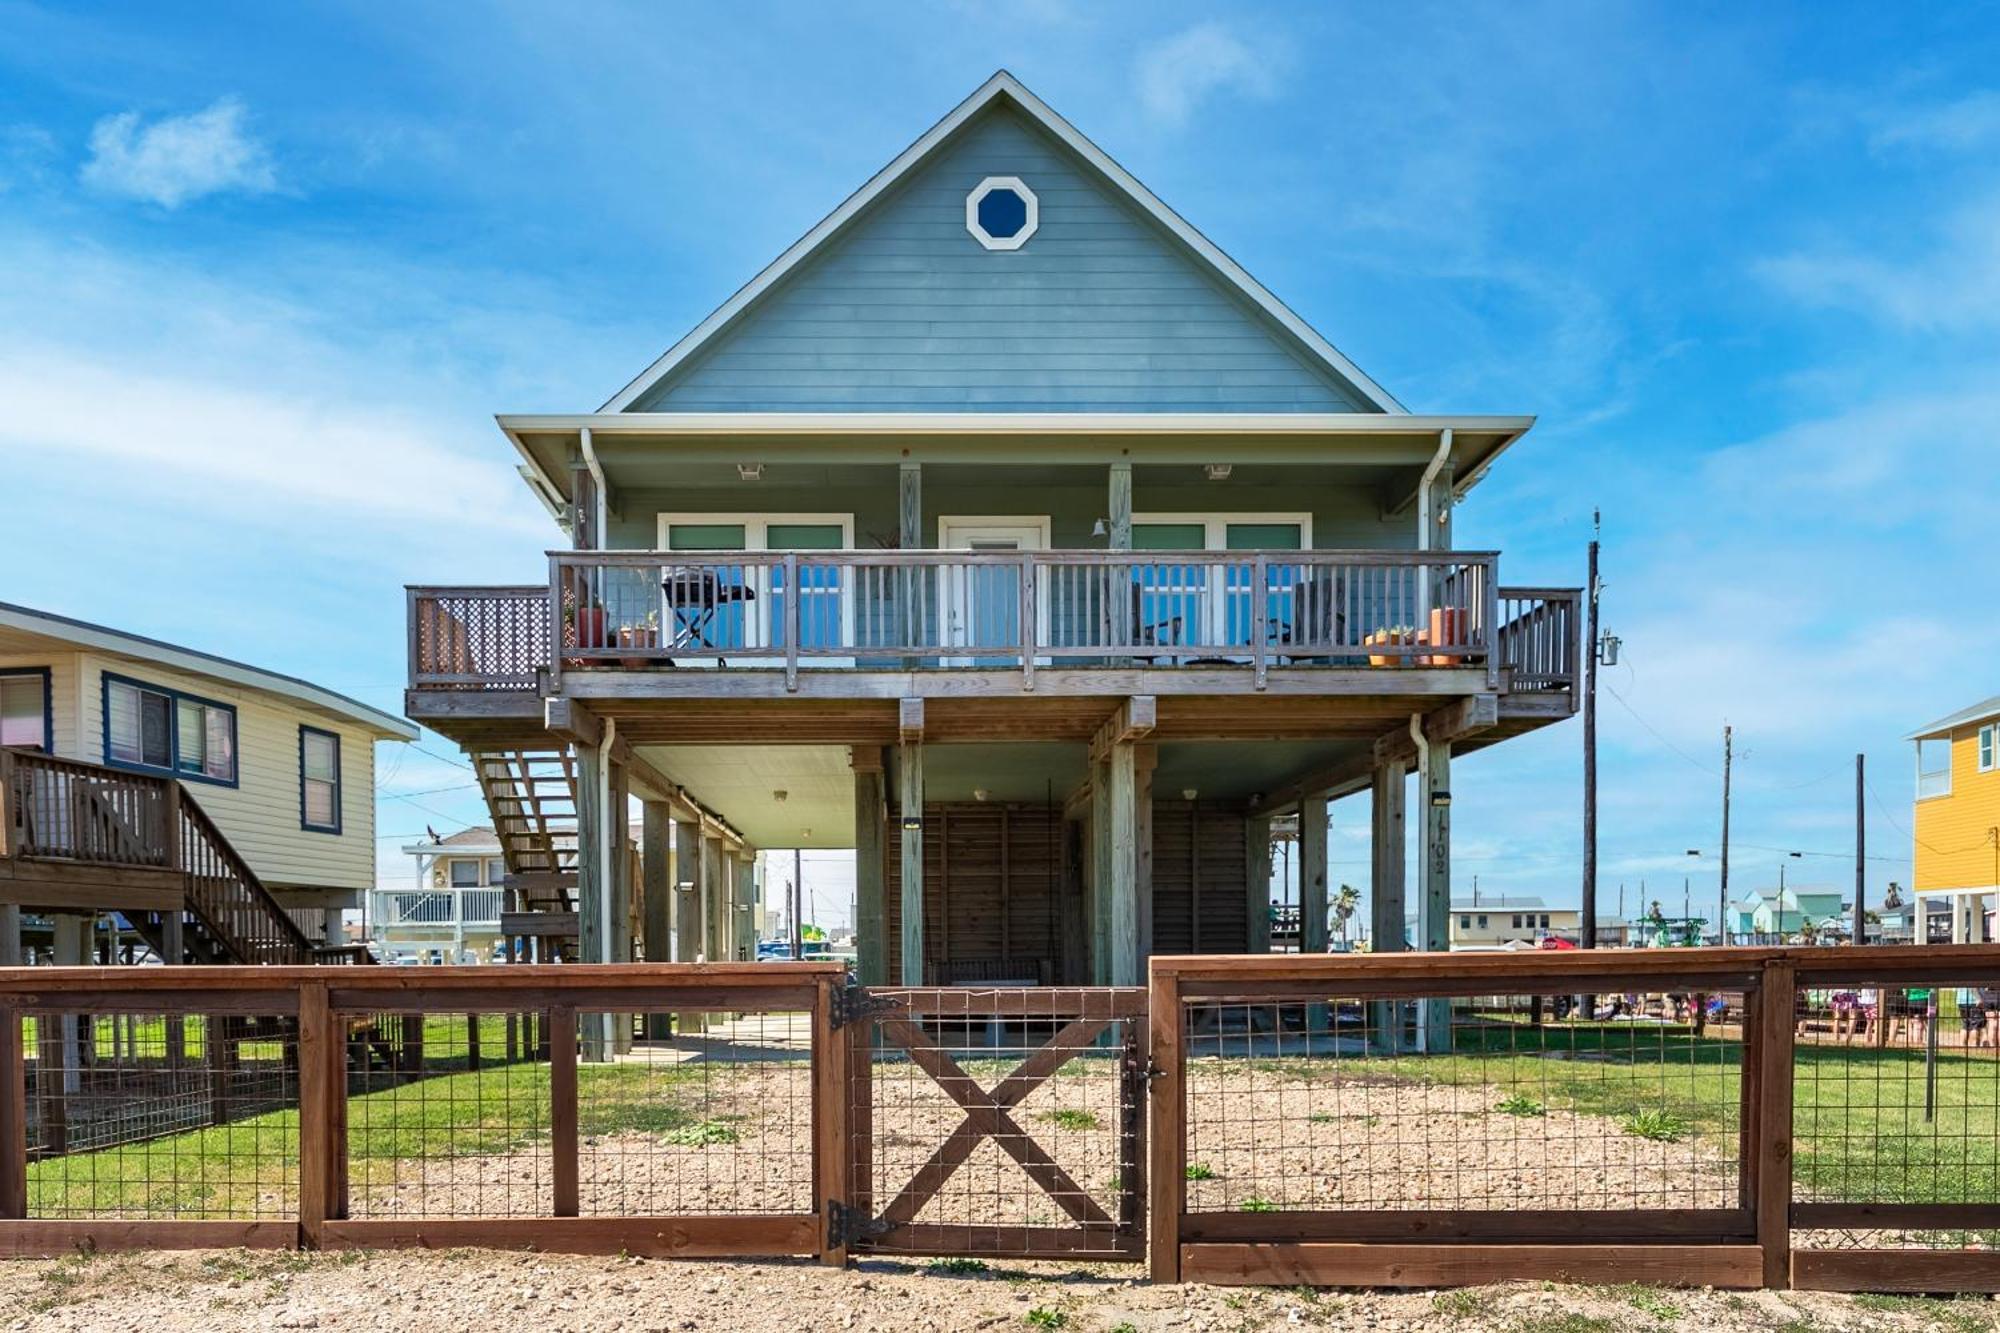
x=590 y=628
x=1389 y=638
x=1447 y=627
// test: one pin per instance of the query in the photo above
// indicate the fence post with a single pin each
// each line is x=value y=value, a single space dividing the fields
x=830 y=1120
x=1777 y=1005
x=1166 y=1129
x=318 y=1055
x=13 y=1116
x=562 y=1108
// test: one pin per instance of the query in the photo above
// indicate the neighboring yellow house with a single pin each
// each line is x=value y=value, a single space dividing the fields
x=1957 y=821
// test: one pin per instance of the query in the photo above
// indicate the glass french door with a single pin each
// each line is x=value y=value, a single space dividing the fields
x=981 y=603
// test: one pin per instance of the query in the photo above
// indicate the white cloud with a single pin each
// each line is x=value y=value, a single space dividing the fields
x=1176 y=75
x=1960 y=126
x=1955 y=285
x=178 y=158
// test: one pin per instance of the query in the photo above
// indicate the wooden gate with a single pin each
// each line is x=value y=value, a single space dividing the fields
x=995 y=1122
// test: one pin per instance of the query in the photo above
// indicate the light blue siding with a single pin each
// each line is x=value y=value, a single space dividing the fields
x=1102 y=310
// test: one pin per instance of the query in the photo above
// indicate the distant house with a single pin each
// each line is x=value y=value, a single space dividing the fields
x=1495 y=922
x=224 y=812
x=1956 y=821
x=1770 y=913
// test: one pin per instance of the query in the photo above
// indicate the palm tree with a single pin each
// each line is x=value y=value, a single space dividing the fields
x=1345 y=903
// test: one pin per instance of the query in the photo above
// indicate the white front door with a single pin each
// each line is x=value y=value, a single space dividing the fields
x=982 y=603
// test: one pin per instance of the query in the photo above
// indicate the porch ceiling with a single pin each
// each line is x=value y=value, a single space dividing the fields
x=738 y=782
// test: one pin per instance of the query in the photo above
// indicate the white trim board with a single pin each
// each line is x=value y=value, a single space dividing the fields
x=756 y=526
x=1213 y=522
x=1004 y=85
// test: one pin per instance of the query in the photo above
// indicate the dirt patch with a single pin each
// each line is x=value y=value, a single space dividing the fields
x=237 y=1292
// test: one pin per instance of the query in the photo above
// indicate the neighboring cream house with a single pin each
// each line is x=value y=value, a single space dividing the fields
x=282 y=769
x=1491 y=923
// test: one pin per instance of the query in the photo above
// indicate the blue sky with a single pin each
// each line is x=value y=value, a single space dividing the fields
x=265 y=274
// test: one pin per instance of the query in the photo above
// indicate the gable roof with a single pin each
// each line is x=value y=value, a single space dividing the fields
x=1949 y=723
x=83 y=634
x=1005 y=88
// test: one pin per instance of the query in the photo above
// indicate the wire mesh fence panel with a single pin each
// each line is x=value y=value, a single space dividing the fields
x=1896 y=1105
x=1010 y=1128
x=447 y=1115
x=1503 y=1102
x=705 y=1113
x=137 y=1116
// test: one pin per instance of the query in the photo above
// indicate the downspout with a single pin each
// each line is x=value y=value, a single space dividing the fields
x=1425 y=909
x=602 y=513
x=1425 y=523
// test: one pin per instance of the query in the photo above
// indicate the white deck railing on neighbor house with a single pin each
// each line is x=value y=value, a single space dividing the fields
x=477 y=908
x=1021 y=610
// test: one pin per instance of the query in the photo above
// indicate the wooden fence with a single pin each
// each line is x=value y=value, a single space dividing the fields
x=1825 y=1118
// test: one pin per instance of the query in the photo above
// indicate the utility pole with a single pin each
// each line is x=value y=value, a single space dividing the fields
x=1860 y=854
x=1590 y=751
x=1722 y=905
x=798 y=925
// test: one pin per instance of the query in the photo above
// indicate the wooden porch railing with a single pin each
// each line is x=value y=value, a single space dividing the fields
x=68 y=810
x=1022 y=610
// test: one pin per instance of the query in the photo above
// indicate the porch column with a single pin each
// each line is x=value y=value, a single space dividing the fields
x=911 y=589
x=910 y=791
x=618 y=945
x=1119 y=508
x=656 y=886
x=686 y=897
x=1312 y=875
x=1145 y=759
x=746 y=905
x=713 y=898
x=1386 y=895
x=1434 y=871
x=656 y=896
x=871 y=934
x=590 y=886
x=1097 y=910
x=1122 y=899
x=1257 y=881
x=10 y=935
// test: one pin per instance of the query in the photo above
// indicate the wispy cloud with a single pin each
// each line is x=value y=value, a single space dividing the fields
x=1177 y=75
x=1958 y=126
x=1952 y=286
x=178 y=158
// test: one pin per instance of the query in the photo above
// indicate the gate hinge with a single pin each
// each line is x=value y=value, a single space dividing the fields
x=852 y=1003
x=846 y=1226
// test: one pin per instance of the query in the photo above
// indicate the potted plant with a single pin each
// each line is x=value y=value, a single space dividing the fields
x=1447 y=630
x=639 y=636
x=1395 y=636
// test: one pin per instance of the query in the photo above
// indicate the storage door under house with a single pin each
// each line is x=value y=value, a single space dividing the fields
x=994 y=893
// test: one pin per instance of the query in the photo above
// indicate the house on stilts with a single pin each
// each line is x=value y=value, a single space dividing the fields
x=1007 y=531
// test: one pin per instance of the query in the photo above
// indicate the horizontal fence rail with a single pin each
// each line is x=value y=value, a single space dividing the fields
x=1741 y=1117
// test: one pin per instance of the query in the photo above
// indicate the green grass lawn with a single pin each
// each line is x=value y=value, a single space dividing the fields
x=250 y=1167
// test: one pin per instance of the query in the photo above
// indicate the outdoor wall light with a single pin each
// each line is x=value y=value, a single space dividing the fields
x=750 y=471
x=980 y=793
x=779 y=795
x=913 y=825
x=1189 y=793
x=1440 y=798
x=1101 y=528
x=1218 y=471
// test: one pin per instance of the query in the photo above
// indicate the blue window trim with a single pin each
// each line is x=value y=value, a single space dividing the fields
x=48 y=701
x=172 y=770
x=304 y=823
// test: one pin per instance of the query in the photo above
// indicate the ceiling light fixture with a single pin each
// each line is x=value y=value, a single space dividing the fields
x=750 y=471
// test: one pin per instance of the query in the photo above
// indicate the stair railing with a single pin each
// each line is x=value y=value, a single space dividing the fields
x=229 y=898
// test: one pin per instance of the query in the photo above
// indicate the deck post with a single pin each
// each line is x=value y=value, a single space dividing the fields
x=656 y=896
x=745 y=918
x=1434 y=901
x=910 y=584
x=1257 y=882
x=1387 y=896
x=871 y=934
x=910 y=791
x=713 y=897
x=1146 y=757
x=13 y=1116
x=1121 y=899
x=687 y=943
x=1312 y=875
x=1096 y=905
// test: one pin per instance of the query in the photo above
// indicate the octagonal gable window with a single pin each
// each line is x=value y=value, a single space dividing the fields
x=1002 y=213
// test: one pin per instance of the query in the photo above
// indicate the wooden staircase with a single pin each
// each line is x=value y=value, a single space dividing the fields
x=531 y=794
x=65 y=822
